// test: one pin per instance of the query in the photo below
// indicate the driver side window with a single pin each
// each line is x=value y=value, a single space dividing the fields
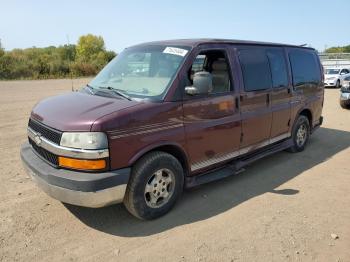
x=213 y=63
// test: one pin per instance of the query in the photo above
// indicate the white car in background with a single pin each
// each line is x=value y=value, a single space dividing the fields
x=335 y=76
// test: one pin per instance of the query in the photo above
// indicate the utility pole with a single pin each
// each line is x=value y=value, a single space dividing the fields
x=2 y=50
x=70 y=65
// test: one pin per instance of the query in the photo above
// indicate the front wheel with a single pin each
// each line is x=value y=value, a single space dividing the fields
x=300 y=134
x=344 y=104
x=337 y=85
x=155 y=184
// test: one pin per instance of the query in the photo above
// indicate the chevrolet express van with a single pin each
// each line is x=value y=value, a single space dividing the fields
x=164 y=116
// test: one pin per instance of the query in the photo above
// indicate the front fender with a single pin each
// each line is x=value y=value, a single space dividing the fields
x=159 y=145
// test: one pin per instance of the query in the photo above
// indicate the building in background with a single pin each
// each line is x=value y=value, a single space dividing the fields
x=335 y=60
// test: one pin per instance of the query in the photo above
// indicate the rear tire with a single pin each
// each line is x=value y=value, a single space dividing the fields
x=300 y=134
x=155 y=184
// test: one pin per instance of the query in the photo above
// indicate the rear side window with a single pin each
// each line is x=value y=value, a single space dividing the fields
x=305 y=68
x=255 y=69
x=278 y=68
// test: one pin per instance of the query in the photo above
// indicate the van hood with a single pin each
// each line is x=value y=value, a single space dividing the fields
x=77 y=111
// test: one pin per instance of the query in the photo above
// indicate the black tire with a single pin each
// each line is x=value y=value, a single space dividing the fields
x=301 y=121
x=337 y=85
x=344 y=104
x=136 y=198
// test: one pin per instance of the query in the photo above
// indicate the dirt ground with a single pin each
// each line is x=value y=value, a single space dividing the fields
x=282 y=208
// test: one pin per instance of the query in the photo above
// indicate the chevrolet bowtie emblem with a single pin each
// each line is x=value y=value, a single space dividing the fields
x=37 y=139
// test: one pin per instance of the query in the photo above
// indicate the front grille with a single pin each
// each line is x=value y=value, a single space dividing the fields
x=344 y=90
x=47 y=132
x=48 y=156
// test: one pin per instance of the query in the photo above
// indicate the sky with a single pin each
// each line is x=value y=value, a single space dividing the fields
x=43 y=23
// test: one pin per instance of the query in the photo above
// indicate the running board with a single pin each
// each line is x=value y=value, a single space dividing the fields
x=266 y=151
x=235 y=166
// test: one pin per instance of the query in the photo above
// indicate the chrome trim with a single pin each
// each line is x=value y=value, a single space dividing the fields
x=231 y=155
x=247 y=149
x=280 y=137
x=66 y=151
x=96 y=199
x=215 y=160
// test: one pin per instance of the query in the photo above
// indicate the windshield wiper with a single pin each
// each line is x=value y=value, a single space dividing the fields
x=90 y=88
x=116 y=91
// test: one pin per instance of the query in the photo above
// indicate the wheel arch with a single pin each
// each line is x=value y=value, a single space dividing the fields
x=307 y=112
x=173 y=149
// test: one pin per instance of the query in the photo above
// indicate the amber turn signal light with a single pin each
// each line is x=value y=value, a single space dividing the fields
x=81 y=163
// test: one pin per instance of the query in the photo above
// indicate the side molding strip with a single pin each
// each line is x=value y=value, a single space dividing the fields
x=231 y=155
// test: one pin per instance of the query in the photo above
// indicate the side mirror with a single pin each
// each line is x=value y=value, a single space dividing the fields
x=202 y=84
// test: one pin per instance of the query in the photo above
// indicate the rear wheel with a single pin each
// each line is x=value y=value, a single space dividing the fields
x=300 y=134
x=154 y=186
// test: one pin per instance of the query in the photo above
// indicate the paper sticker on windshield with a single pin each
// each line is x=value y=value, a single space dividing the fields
x=175 y=51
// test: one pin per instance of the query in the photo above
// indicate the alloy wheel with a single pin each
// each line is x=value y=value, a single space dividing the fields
x=301 y=135
x=159 y=188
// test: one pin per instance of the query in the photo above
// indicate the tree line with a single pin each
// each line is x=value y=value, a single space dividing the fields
x=338 y=49
x=86 y=58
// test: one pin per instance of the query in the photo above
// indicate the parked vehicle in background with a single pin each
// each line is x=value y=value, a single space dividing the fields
x=334 y=76
x=166 y=115
x=345 y=93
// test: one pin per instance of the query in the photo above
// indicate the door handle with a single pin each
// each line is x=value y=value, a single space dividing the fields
x=268 y=98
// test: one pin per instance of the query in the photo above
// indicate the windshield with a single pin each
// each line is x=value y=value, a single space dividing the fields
x=142 y=72
x=332 y=71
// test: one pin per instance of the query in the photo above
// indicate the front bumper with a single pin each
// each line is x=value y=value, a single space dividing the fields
x=74 y=187
x=330 y=82
x=344 y=96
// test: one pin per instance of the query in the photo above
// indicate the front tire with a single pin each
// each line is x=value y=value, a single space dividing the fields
x=300 y=134
x=155 y=184
x=337 y=85
x=344 y=104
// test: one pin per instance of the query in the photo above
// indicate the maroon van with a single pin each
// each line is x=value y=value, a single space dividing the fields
x=164 y=116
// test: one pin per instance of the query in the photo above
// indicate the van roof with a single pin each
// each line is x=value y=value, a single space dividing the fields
x=200 y=41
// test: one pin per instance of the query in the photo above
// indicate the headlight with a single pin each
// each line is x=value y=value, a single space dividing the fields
x=85 y=140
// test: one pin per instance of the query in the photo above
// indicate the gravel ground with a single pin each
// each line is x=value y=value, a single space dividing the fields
x=282 y=208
